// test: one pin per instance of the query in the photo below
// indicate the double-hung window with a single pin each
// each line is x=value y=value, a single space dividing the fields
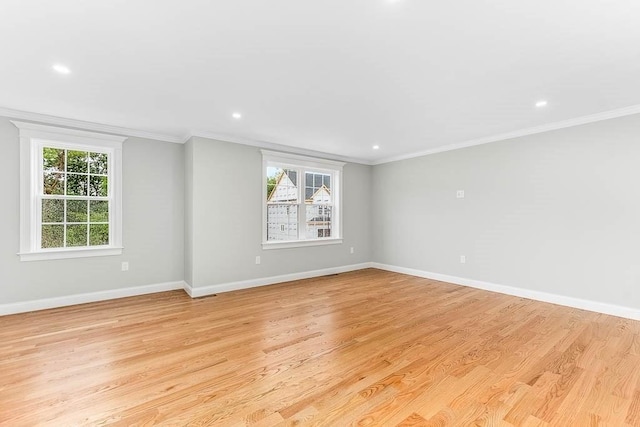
x=71 y=193
x=301 y=201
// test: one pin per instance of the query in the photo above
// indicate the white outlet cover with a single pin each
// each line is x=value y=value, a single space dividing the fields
x=460 y=194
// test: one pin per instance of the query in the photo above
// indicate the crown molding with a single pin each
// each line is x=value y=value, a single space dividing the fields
x=117 y=130
x=91 y=126
x=37 y=130
x=278 y=156
x=611 y=114
x=278 y=147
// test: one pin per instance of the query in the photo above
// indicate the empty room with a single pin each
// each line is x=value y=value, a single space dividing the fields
x=320 y=213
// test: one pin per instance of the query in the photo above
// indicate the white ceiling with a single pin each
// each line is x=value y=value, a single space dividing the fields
x=336 y=76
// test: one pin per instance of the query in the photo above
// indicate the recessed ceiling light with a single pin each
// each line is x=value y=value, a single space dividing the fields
x=62 y=69
x=376 y=147
x=236 y=116
x=541 y=103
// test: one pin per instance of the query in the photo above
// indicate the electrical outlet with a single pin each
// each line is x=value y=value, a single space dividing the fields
x=460 y=194
x=257 y=260
x=125 y=265
x=351 y=250
x=463 y=259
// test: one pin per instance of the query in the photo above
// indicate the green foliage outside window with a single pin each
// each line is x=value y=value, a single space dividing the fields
x=70 y=215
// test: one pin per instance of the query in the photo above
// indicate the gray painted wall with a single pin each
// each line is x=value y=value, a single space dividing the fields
x=188 y=211
x=227 y=218
x=552 y=212
x=556 y=212
x=153 y=234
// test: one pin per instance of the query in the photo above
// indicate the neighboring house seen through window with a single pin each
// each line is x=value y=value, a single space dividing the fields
x=302 y=200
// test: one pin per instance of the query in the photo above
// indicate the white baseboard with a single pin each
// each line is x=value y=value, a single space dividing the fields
x=200 y=291
x=188 y=289
x=42 y=304
x=598 y=307
x=195 y=292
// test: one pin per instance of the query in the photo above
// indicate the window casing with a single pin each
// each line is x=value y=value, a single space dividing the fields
x=302 y=200
x=70 y=193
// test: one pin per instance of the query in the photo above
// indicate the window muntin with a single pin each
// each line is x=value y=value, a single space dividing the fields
x=302 y=197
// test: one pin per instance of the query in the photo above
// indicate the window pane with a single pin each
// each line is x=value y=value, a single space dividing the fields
x=77 y=235
x=53 y=183
x=98 y=163
x=281 y=186
x=52 y=236
x=99 y=211
x=76 y=185
x=282 y=221
x=272 y=179
x=293 y=176
x=318 y=187
x=77 y=161
x=321 y=195
x=98 y=234
x=52 y=159
x=76 y=211
x=53 y=210
x=318 y=221
x=98 y=186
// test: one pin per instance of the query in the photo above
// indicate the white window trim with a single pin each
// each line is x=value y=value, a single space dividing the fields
x=32 y=137
x=320 y=165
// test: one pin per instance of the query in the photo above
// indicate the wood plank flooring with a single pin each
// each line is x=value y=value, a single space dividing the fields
x=369 y=348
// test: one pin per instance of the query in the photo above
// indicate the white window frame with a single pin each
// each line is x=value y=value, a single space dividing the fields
x=298 y=162
x=33 y=137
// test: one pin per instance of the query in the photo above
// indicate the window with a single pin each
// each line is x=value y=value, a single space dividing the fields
x=301 y=201
x=70 y=193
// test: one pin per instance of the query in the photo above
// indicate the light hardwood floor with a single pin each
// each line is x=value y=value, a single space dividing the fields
x=363 y=348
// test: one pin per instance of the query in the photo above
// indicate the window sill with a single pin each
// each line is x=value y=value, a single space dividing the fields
x=299 y=243
x=69 y=253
